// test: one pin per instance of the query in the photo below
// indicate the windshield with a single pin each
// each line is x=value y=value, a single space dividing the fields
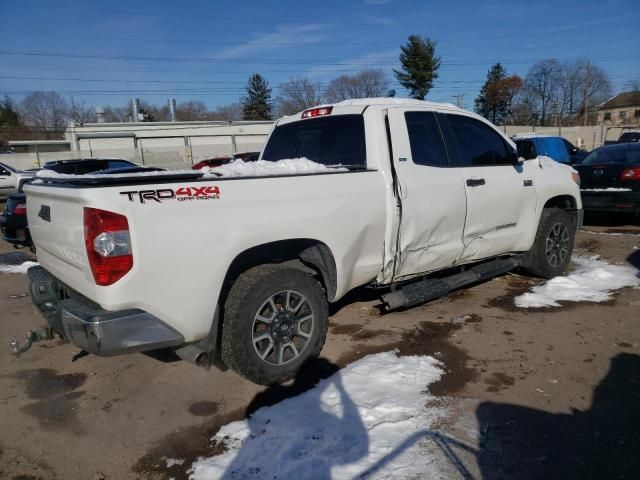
x=8 y=167
x=330 y=141
x=614 y=154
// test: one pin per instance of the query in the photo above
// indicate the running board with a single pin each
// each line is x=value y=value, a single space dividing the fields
x=425 y=290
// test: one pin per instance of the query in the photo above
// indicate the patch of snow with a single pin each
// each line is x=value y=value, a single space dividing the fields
x=613 y=234
x=237 y=168
x=610 y=189
x=369 y=417
x=592 y=281
x=174 y=461
x=17 y=268
x=261 y=168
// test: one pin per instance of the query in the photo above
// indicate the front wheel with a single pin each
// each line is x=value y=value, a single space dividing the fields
x=275 y=319
x=553 y=246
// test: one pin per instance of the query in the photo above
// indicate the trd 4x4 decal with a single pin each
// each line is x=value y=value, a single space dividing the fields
x=181 y=194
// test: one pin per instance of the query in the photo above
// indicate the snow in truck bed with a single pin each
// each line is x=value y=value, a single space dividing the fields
x=237 y=168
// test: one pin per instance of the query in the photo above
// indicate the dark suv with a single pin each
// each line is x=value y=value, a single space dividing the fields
x=13 y=222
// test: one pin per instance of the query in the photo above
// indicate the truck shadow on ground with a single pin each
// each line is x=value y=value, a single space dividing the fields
x=602 y=442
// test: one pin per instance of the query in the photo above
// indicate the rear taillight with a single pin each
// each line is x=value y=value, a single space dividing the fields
x=317 y=112
x=108 y=244
x=20 y=209
x=630 y=174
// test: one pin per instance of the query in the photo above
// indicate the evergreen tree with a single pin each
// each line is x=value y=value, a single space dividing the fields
x=8 y=114
x=257 y=104
x=496 y=95
x=420 y=66
x=9 y=120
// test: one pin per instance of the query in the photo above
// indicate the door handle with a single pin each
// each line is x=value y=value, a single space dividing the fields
x=475 y=182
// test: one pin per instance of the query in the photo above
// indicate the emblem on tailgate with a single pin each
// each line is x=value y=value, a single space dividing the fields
x=181 y=194
x=45 y=213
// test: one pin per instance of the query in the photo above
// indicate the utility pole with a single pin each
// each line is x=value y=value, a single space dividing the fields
x=459 y=99
x=586 y=94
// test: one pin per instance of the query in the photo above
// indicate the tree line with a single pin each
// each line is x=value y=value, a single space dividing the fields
x=551 y=93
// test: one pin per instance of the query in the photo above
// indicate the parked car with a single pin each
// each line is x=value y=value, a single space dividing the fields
x=611 y=179
x=419 y=196
x=628 y=133
x=13 y=222
x=557 y=148
x=628 y=137
x=11 y=178
x=218 y=161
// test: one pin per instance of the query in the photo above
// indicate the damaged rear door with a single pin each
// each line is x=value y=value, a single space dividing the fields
x=432 y=196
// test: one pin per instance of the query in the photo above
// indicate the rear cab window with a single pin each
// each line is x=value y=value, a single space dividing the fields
x=331 y=140
x=427 y=146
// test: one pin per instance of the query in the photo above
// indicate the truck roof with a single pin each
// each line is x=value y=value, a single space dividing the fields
x=358 y=105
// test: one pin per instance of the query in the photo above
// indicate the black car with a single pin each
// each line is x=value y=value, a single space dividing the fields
x=13 y=222
x=610 y=179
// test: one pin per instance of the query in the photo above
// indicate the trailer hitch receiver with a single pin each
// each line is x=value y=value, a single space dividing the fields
x=45 y=333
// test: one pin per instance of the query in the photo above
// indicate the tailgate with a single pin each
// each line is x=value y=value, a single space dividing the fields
x=55 y=216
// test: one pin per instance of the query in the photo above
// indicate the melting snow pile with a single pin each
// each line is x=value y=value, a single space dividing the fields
x=17 y=268
x=592 y=281
x=262 y=168
x=368 y=417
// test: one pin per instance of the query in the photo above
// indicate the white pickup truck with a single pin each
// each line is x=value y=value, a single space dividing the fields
x=418 y=196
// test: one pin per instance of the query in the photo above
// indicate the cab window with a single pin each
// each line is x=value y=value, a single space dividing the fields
x=427 y=147
x=478 y=144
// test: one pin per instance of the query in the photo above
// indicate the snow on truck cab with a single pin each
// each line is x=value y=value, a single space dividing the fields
x=377 y=192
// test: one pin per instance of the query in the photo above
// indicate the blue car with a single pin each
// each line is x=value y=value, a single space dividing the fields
x=561 y=150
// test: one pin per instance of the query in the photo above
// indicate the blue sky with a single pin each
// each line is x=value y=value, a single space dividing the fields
x=107 y=52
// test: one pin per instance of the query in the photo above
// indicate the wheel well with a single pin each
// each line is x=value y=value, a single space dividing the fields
x=308 y=255
x=566 y=202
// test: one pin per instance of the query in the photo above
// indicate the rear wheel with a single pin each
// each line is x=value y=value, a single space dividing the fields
x=553 y=246
x=275 y=319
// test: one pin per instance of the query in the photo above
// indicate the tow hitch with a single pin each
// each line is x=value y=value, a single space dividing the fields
x=44 y=333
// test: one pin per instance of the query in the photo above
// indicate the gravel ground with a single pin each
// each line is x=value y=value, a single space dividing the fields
x=532 y=393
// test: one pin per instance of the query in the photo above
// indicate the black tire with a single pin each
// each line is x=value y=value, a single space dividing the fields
x=553 y=246
x=249 y=305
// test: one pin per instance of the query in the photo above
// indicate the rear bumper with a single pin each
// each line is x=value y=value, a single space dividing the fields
x=622 y=202
x=91 y=328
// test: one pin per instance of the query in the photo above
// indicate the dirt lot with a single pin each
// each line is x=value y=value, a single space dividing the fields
x=550 y=393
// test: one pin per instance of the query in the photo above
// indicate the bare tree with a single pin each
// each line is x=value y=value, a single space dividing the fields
x=44 y=111
x=117 y=114
x=366 y=83
x=541 y=88
x=227 y=113
x=555 y=91
x=633 y=86
x=598 y=89
x=80 y=112
x=298 y=94
x=191 y=111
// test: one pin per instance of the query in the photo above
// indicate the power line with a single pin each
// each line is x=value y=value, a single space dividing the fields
x=276 y=61
x=216 y=42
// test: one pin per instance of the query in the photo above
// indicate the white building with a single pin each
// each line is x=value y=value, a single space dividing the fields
x=173 y=145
